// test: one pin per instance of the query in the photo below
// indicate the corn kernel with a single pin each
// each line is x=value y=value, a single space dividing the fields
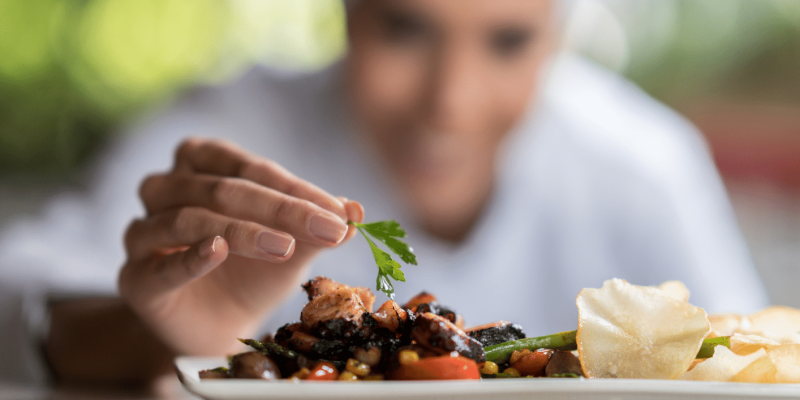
x=374 y=377
x=489 y=368
x=371 y=357
x=408 y=357
x=347 y=376
x=357 y=368
x=511 y=371
x=302 y=373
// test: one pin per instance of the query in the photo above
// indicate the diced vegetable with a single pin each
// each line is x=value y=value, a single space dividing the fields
x=323 y=371
x=489 y=368
x=408 y=357
x=357 y=368
x=533 y=363
x=442 y=367
x=347 y=376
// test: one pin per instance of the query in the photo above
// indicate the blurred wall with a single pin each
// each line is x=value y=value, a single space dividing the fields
x=733 y=68
x=70 y=71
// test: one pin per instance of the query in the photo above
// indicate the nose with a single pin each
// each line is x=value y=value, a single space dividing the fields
x=455 y=92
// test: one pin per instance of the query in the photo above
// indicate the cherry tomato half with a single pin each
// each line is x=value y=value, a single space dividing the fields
x=323 y=371
x=442 y=367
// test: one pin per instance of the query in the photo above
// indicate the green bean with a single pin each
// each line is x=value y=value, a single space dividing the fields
x=270 y=349
x=500 y=353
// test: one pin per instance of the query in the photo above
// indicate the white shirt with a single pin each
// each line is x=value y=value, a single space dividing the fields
x=598 y=181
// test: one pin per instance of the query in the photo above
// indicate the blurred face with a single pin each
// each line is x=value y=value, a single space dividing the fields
x=436 y=85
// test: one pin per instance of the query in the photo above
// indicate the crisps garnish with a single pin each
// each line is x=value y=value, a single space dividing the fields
x=722 y=367
x=628 y=331
x=727 y=324
x=778 y=323
x=759 y=371
x=786 y=359
x=675 y=289
x=748 y=344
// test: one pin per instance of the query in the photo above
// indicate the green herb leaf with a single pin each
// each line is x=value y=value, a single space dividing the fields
x=386 y=232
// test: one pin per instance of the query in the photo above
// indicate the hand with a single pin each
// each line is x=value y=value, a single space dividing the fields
x=227 y=237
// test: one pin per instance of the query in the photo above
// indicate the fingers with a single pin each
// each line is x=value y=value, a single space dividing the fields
x=223 y=158
x=245 y=200
x=355 y=213
x=164 y=274
x=176 y=228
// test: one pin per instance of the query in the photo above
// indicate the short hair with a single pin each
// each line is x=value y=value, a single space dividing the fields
x=561 y=10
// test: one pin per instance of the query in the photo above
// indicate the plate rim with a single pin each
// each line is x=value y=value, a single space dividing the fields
x=186 y=369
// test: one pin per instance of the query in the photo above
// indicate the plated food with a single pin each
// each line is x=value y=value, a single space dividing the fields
x=624 y=331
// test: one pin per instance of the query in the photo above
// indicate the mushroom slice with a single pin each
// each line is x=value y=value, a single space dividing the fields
x=628 y=331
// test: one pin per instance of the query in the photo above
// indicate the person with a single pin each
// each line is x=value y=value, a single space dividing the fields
x=521 y=173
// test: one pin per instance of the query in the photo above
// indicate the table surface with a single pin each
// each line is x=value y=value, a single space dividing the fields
x=167 y=389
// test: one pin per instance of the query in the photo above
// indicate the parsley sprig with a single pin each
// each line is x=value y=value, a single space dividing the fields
x=387 y=232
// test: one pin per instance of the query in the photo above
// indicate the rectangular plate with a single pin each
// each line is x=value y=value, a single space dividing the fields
x=506 y=389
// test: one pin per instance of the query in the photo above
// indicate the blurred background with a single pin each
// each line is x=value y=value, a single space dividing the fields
x=71 y=72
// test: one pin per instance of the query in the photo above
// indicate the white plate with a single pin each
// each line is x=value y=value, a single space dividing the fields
x=504 y=389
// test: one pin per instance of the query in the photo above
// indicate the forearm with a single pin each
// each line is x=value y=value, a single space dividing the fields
x=101 y=340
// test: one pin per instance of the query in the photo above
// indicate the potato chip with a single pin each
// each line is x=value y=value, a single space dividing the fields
x=722 y=367
x=791 y=339
x=675 y=289
x=786 y=359
x=759 y=371
x=727 y=324
x=696 y=362
x=628 y=331
x=778 y=323
x=748 y=344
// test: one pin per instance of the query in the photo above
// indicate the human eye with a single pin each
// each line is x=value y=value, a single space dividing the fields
x=401 y=28
x=507 y=42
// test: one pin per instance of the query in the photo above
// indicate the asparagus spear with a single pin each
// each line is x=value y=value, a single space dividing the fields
x=707 y=349
x=500 y=353
x=276 y=350
x=270 y=349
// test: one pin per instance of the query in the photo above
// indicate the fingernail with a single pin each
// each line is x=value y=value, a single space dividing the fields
x=275 y=243
x=208 y=248
x=327 y=228
x=343 y=205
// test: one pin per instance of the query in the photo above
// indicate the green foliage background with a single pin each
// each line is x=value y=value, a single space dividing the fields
x=71 y=70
